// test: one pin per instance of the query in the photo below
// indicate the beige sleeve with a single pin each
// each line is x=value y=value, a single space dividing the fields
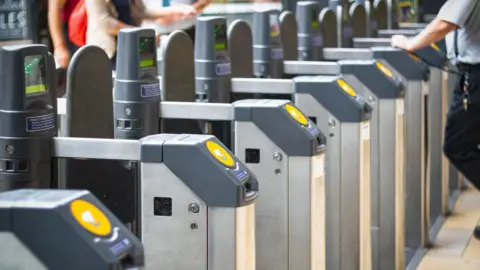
x=99 y=16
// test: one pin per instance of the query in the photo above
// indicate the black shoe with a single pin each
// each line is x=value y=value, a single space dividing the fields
x=476 y=232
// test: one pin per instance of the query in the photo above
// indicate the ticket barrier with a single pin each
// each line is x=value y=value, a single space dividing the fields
x=222 y=227
x=440 y=79
x=415 y=77
x=438 y=103
x=386 y=95
x=442 y=84
x=85 y=226
x=31 y=153
x=264 y=132
x=319 y=97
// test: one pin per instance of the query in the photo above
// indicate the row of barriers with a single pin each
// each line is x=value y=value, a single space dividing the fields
x=321 y=158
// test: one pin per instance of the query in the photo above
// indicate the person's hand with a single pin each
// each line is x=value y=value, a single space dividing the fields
x=402 y=42
x=180 y=11
x=176 y=12
x=199 y=6
x=157 y=36
x=62 y=55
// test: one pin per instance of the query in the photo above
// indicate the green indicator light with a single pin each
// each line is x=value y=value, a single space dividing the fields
x=220 y=46
x=147 y=63
x=33 y=89
x=217 y=28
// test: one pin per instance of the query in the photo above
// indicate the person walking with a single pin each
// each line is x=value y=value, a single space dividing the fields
x=458 y=21
x=107 y=17
x=59 y=12
x=186 y=24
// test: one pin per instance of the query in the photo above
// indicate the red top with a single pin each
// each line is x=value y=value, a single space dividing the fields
x=68 y=9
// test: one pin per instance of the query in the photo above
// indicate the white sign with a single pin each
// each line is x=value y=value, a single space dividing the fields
x=400 y=106
x=365 y=131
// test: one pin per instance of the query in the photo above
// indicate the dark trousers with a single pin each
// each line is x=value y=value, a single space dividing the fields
x=462 y=131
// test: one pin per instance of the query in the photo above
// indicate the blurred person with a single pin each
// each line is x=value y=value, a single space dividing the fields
x=107 y=17
x=458 y=21
x=59 y=12
x=187 y=24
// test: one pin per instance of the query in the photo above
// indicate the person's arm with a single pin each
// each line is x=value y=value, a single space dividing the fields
x=167 y=13
x=99 y=10
x=434 y=32
x=452 y=15
x=201 y=5
x=55 y=23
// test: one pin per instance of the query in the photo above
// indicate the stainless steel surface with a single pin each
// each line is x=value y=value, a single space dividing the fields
x=272 y=217
x=221 y=246
x=346 y=53
x=437 y=168
x=310 y=67
x=290 y=213
x=347 y=190
x=416 y=186
x=307 y=212
x=85 y=148
x=196 y=111
x=366 y=43
x=262 y=86
x=390 y=184
x=387 y=178
x=169 y=242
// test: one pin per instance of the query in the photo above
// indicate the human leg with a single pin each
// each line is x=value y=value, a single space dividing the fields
x=462 y=132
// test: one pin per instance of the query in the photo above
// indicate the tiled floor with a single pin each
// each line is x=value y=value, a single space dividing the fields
x=455 y=248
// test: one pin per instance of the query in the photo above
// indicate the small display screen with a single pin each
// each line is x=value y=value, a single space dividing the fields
x=345 y=12
x=35 y=75
x=314 y=17
x=274 y=25
x=147 y=47
x=220 y=33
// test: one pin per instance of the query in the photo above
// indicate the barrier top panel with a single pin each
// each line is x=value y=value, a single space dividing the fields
x=76 y=217
x=336 y=96
x=375 y=76
x=210 y=170
x=407 y=64
x=38 y=198
x=433 y=55
x=283 y=123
